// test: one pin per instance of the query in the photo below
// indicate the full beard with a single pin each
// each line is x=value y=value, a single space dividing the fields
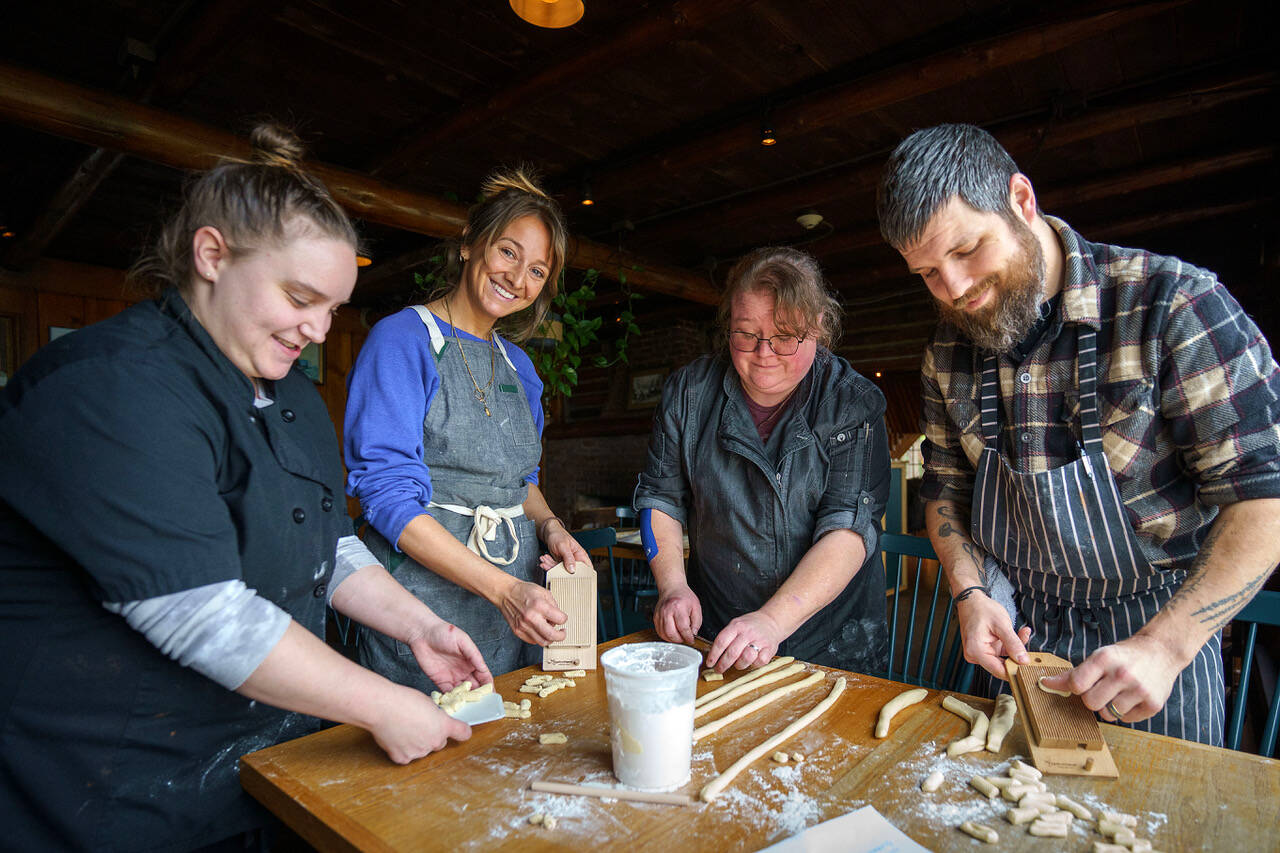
x=1015 y=304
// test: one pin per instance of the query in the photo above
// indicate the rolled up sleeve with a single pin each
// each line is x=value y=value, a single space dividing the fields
x=1220 y=395
x=948 y=474
x=664 y=483
x=857 y=477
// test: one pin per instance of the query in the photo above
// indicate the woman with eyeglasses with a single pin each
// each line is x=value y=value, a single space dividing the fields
x=773 y=456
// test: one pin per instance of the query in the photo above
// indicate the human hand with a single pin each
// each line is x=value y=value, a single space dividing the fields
x=748 y=641
x=449 y=657
x=413 y=726
x=678 y=614
x=562 y=548
x=532 y=613
x=1127 y=681
x=988 y=636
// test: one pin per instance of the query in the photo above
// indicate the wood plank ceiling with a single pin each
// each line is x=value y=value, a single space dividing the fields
x=1139 y=122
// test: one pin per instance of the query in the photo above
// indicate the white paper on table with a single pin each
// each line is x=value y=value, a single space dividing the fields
x=861 y=831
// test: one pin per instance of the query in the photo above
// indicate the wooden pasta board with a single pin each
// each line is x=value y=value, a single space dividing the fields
x=1063 y=735
x=576 y=595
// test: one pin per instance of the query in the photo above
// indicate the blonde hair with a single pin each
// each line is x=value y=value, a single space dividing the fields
x=802 y=303
x=254 y=203
x=507 y=195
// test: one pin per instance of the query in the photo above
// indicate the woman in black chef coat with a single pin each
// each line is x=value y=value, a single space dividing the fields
x=172 y=527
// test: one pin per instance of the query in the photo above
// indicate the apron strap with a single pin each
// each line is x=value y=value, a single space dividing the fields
x=990 y=400
x=1087 y=365
x=485 y=528
x=438 y=341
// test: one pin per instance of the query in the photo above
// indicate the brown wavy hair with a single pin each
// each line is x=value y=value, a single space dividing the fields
x=803 y=304
x=255 y=203
x=507 y=195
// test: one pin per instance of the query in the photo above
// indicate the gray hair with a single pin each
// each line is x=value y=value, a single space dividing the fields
x=932 y=166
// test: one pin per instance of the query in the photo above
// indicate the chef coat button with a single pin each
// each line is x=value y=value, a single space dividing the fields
x=1026 y=436
x=840 y=437
x=299 y=515
x=1025 y=378
x=320 y=590
x=287 y=415
x=326 y=504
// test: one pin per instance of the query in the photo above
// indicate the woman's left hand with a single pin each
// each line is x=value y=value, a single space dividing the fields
x=748 y=641
x=562 y=548
x=449 y=657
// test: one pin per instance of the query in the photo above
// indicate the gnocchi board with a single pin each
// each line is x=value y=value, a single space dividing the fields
x=575 y=593
x=1063 y=735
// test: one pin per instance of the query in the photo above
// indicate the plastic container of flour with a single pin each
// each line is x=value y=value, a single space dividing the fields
x=651 y=688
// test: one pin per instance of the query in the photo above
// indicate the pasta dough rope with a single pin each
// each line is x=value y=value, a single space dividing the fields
x=896 y=704
x=746 y=679
x=740 y=688
x=755 y=705
x=713 y=788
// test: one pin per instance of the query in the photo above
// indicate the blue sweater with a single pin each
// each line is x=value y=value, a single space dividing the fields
x=389 y=392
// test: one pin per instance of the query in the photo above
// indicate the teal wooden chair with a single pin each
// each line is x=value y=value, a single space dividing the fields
x=606 y=538
x=939 y=663
x=1263 y=610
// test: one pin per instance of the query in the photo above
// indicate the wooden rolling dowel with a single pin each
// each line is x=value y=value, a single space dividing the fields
x=610 y=793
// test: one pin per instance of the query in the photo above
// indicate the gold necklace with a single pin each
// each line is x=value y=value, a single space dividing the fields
x=479 y=392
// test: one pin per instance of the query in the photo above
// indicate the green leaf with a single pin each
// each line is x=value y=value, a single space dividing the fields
x=601 y=361
x=633 y=329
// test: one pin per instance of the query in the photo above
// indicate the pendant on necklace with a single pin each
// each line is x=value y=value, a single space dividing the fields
x=486 y=411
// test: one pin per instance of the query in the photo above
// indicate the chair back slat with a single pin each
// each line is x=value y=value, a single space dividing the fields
x=926 y=654
x=1264 y=609
x=606 y=538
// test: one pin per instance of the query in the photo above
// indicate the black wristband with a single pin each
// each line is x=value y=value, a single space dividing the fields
x=970 y=590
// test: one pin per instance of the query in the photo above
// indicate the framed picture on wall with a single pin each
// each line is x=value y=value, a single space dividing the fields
x=312 y=362
x=644 y=388
x=56 y=332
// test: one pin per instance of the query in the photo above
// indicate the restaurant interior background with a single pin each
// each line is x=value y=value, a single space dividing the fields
x=676 y=136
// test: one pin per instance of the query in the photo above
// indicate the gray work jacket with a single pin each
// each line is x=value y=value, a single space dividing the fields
x=751 y=519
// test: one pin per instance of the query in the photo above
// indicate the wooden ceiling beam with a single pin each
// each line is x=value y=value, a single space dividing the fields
x=109 y=121
x=1020 y=137
x=904 y=81
x=1107 y=186
x=176 y=72
x=674 y=21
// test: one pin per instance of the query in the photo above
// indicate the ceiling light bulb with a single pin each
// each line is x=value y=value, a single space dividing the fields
x=809 y=221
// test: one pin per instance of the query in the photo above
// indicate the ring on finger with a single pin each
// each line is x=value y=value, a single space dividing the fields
x=753 y=646
x=1111 y=709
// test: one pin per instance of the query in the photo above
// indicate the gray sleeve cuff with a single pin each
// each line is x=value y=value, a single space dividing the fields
x=352 y=556
x=223 y=631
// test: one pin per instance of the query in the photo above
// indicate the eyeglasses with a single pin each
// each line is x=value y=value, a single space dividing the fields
x=780 y=344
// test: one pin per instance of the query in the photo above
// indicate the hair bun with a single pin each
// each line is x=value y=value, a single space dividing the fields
x=522 y=179
x=276 y=145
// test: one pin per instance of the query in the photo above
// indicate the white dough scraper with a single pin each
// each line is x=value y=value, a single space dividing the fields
x=486 y=710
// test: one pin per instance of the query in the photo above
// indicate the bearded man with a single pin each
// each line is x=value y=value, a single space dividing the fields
x=1102 y=448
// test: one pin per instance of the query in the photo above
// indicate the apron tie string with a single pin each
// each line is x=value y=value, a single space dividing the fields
x=485 y=528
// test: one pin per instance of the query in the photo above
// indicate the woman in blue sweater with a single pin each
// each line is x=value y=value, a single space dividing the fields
x=443 y=437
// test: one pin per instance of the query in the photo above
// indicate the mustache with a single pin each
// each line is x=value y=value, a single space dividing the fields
x=975 y=292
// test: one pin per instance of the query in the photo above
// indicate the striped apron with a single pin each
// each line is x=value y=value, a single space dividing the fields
x=1078 y=574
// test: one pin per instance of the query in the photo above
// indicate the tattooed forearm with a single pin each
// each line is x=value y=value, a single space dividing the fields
x=978 y=562
x=946 y=528
x=1218 y=613
x=1196 y=574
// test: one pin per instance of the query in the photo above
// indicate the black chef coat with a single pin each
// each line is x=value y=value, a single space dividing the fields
x=135 y=465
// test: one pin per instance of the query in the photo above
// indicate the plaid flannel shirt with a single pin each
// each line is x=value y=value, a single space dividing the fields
x=1188 y=396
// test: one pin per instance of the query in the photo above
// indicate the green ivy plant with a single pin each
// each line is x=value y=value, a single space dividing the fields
x=558 y=365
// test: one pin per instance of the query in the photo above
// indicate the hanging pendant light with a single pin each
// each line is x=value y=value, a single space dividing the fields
x=552 y=14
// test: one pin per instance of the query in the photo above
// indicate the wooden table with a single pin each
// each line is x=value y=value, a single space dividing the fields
x=339 y=791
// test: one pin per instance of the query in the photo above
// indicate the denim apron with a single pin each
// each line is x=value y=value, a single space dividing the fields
x=1079 y=576
x=478 y=467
